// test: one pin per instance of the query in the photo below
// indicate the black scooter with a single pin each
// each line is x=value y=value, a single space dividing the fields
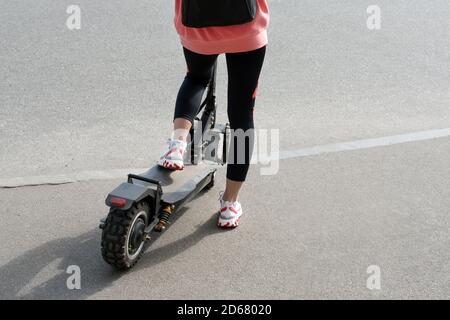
x=145 y=203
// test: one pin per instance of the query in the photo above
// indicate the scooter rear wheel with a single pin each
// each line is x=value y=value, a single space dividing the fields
x=123 y=236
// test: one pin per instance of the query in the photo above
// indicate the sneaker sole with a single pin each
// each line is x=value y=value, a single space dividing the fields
x=171 y=165
x=228 y=223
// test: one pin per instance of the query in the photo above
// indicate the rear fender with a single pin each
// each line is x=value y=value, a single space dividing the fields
x=132 y=193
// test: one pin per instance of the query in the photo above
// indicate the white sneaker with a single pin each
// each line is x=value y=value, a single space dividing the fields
x=173 y=159
x=230 y=213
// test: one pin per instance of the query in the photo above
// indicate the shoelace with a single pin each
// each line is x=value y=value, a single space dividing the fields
x=173 y=143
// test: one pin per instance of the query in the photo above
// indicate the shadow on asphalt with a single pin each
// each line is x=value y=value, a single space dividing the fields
x=19 y=281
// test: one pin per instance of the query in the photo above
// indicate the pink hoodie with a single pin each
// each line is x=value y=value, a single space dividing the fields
x=215 y=40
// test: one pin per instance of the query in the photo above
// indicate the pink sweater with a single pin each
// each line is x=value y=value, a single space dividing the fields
x=215 y=40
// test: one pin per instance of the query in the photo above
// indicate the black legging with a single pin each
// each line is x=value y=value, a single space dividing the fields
x=244 y=69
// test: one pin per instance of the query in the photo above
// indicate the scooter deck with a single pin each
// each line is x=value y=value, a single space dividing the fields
x=180 y=184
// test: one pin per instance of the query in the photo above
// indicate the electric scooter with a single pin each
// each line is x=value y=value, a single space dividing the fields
x=146 y=202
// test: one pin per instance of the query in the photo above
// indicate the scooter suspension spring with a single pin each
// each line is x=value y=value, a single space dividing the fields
x=164 y=217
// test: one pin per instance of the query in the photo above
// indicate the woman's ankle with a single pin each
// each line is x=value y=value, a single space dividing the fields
x=181 y=129
x=230 y=198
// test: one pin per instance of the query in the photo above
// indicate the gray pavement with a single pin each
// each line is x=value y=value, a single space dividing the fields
x=101 y=98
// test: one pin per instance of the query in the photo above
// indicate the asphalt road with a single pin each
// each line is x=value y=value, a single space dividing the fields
x=101 y=98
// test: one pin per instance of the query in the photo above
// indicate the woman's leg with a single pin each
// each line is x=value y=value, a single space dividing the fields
x=243 y=74
x=189 y=97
